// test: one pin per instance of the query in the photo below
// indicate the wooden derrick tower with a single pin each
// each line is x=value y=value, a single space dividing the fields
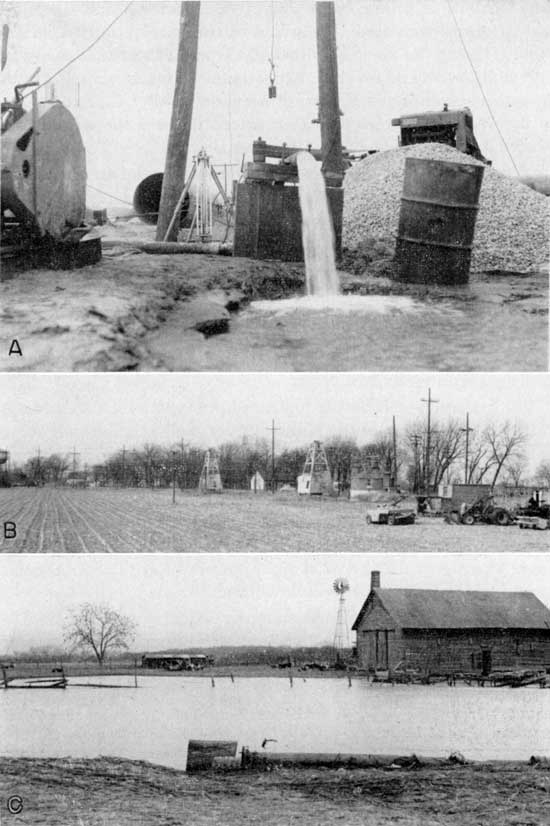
x=210 y=479
x=316 y=478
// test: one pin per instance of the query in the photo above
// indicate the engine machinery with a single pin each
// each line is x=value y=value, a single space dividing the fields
x=454 y=127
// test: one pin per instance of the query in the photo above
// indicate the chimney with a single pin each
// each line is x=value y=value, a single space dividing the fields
x=374 y=579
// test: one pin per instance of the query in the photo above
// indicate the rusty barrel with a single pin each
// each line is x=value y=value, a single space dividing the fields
x=437 y=221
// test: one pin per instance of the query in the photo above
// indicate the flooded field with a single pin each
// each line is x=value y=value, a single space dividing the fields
x=154 y=721
x=135 y=520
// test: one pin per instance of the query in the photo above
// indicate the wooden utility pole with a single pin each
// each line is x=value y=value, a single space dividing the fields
x=180 y=124
x=429 y=401
x=394 y=451
x=329 y=107
x=273 y=429
x=467 y=430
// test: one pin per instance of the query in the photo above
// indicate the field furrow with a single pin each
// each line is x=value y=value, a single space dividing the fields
x=105 y=520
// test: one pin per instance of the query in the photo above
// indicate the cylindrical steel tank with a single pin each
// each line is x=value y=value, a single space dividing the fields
x=44 y=174
x=147 y=199
x=437 y=220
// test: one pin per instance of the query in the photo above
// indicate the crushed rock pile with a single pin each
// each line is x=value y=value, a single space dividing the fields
x=513 y=225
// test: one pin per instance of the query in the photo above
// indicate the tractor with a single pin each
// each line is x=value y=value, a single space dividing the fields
x=483 y=510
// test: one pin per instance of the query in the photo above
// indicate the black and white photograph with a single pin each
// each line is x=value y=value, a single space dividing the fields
x=310 y=689
x=275 y=186
x=307 y=463
x=274 y=413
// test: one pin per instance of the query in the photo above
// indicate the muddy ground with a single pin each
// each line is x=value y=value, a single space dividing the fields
x=136 y=311
x=112 y=792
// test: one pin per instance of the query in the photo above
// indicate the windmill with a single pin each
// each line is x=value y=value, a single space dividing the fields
x=341 y=633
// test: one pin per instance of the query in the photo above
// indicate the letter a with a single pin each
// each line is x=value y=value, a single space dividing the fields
x=15 y=348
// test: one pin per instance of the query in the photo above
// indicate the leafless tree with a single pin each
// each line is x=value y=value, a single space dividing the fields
x=542 y=475
x=515 y=472
x=505 y=443
x=56 y=466
x=98 y=628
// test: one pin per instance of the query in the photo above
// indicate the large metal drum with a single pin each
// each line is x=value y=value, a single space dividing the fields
x=44 y=174
x=147 y=200
x=437 y=221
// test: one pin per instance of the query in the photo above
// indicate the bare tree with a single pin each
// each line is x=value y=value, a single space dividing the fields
x=515 y=472
x=542 y=475
x=340 y=452
x=99 y=628
x=55 y=466
x=505 y=444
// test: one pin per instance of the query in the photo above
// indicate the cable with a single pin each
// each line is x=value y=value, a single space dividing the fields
x=87 y=49
x=108 y=194
x=480 y=86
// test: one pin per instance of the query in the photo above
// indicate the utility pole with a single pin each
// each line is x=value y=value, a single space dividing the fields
x=394 y=442
x=123 y=465
x=180 y=124
x=75 y=454
x=416 y=439
x=182 y=453
x=173 y=477
x=273 y=429
x=329 y=107
x=429 y=401
x=467 y=430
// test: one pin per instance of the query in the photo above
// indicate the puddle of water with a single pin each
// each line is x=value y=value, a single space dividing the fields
x=363 y=304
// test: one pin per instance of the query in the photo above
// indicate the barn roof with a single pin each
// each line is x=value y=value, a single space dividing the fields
x=419 y=608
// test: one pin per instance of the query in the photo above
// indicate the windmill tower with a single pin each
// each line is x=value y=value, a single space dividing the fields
x=341 y=633
x=210 y=479
x=316 y=478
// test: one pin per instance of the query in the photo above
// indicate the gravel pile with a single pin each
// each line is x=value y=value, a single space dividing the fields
x=513 y=225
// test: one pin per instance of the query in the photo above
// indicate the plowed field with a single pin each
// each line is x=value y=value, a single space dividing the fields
x=129 y=521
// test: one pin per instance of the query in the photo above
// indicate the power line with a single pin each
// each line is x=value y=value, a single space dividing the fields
x=87 y=49
x=108 y=194
x=488 y=105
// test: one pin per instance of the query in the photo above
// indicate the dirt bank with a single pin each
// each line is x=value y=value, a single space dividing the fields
x=135 y=311
x=112 y=792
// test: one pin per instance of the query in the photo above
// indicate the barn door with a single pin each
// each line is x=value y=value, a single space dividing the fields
x=382 y=653
x=486 y=662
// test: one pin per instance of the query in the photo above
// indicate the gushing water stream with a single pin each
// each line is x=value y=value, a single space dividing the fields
x=317 y=231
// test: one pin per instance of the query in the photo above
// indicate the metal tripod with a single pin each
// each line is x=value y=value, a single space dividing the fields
x=202 y=216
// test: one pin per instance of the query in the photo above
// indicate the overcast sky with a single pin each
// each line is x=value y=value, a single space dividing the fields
x=395 y=57
x=98 y=413
x=187 y=600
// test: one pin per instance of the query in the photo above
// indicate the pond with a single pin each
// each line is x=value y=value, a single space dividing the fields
x=154 y=721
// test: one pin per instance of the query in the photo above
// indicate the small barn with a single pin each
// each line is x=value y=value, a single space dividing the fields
x=373 y=473
x=451 y=631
